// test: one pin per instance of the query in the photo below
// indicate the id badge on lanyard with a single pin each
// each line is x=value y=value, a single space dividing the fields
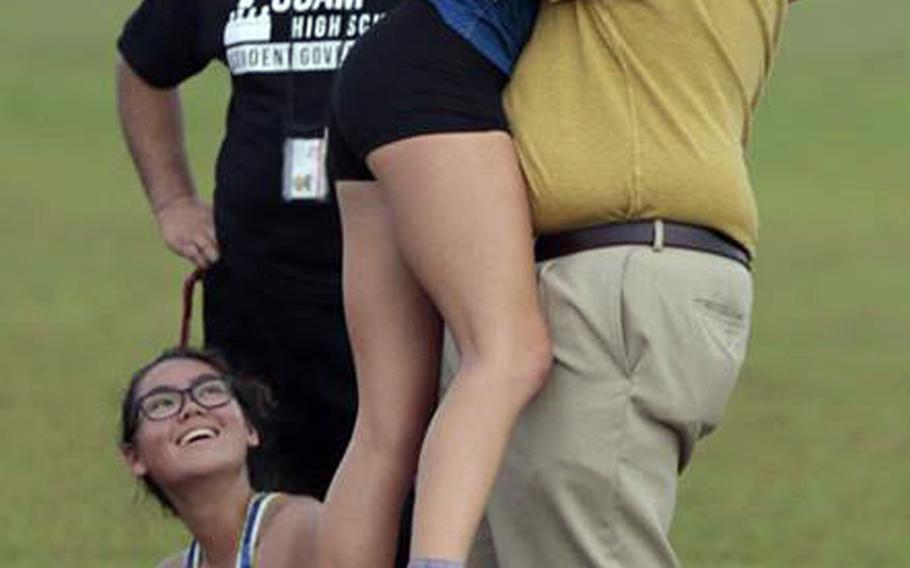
x=304 y=175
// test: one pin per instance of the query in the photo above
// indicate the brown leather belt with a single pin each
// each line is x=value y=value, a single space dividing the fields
x=656 y=234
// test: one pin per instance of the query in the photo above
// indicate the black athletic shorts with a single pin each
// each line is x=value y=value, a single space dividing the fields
x=410 y=75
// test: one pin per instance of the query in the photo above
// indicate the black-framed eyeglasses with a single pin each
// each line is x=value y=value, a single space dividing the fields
x=208 y=391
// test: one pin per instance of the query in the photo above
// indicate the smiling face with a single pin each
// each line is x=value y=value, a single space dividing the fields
x=196 y=441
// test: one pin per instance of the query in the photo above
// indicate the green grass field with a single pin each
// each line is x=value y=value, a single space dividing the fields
x=811 y=467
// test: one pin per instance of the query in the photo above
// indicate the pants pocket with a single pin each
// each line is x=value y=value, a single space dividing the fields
x=723 y=320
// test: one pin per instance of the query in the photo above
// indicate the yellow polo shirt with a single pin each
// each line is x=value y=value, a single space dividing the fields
x=641 y=109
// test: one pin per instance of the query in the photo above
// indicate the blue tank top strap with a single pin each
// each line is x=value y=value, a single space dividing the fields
x=249 y=537
x=192 y=555
x=248 y=544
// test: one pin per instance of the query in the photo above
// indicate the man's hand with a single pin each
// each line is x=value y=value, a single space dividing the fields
x=188 y=229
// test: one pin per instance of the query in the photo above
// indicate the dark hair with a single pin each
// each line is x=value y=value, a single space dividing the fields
x=252 y=396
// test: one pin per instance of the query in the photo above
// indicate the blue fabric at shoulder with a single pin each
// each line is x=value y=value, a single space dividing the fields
x=498 y=29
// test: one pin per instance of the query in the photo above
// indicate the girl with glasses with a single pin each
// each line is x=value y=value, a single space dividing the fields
x=188 y=428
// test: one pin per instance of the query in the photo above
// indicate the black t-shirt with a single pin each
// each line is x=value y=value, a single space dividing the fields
x=277 y=91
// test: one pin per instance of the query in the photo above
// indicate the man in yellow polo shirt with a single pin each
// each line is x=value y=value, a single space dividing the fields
x=631 y=119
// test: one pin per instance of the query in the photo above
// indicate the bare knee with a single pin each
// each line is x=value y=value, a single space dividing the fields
x=515 y=365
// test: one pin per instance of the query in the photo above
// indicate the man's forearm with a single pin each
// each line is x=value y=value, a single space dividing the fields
x=152 y=123
x=153 y=126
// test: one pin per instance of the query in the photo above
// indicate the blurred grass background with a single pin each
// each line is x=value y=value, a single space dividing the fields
x=811 y=467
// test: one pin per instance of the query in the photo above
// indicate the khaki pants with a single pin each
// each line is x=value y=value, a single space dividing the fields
x=648 y=345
